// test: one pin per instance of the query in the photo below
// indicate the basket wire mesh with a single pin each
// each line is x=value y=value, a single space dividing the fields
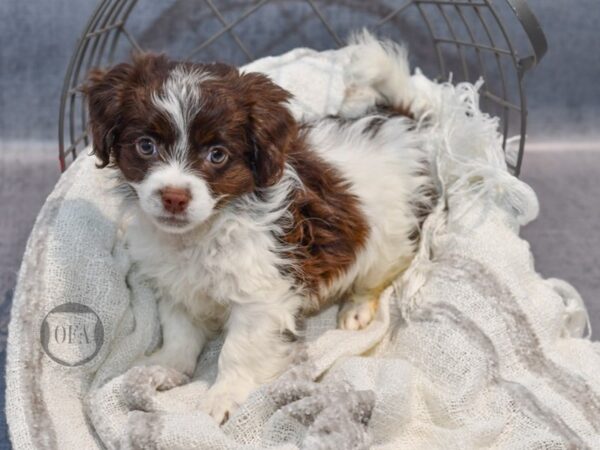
x=462 y=40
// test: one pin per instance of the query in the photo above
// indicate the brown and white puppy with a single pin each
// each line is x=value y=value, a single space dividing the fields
x=245 y=219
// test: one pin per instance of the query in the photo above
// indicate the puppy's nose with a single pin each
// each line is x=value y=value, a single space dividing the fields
x=175 y=200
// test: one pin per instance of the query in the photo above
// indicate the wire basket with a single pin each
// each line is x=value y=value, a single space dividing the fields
x=461 y=40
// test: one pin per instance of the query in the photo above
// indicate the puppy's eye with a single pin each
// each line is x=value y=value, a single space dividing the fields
x=217 y=155
x=146 y=147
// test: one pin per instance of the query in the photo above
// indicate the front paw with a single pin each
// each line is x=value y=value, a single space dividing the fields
x=172 y=360
x=159 y=378
x=221 y=402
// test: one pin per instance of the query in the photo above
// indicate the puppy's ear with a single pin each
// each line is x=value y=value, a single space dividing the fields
x=272 y=127
x=104 y=90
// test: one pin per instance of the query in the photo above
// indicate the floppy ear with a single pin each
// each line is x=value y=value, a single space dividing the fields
x=104 y=90
x=272 y=127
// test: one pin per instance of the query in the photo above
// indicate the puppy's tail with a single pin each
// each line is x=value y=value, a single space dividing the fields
x=378 y=75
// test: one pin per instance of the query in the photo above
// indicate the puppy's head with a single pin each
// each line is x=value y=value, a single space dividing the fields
x=188 y=138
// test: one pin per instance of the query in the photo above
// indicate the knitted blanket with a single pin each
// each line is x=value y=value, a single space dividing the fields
x=470 y=347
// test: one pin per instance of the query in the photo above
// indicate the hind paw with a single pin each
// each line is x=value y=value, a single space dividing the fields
x=356 y=316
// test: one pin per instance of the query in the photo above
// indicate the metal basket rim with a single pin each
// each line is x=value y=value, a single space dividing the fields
x=522 y=11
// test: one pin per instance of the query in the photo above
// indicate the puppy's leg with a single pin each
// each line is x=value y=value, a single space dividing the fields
x=360 y=308
x=358 y=311
x=255 y=351
x=182 y=340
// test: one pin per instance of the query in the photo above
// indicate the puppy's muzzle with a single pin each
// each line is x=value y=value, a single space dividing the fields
x=175 y=200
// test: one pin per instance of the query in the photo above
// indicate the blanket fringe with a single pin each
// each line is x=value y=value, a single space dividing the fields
x=409 y=284
x=576 y=319
x=468 y=166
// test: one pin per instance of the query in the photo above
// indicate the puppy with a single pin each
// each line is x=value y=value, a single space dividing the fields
x=246 y=220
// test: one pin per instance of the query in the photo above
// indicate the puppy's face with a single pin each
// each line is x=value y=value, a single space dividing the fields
x=188 y=138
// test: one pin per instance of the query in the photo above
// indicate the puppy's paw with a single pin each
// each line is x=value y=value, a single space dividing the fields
x=171 y=360
x=163 y=378
x=221 y=402
x=356 y=316
x=141 y=383
x=219 y=405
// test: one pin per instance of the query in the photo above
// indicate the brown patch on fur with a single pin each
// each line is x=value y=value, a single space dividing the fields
x=121 y=110
x=374 y=125
x=381 y=114
x=247 y=116
x=396 y=111
x=385 y=112
x=328 y=227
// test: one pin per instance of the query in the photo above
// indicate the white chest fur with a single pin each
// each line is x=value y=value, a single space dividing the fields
x=232 y=259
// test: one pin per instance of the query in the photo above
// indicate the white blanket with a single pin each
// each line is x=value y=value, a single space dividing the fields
x=471 y=348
